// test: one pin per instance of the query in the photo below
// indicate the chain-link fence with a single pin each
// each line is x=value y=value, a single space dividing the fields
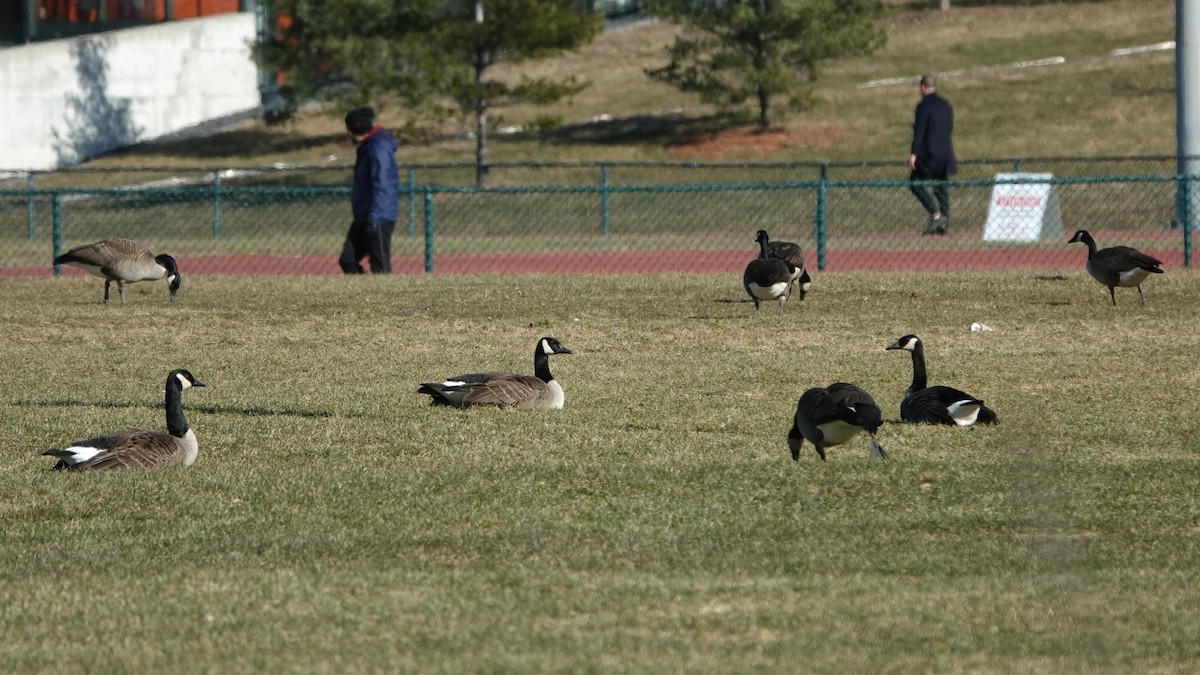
x=608 y=217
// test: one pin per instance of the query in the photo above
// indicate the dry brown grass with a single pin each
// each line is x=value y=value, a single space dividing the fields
x=1089 y=106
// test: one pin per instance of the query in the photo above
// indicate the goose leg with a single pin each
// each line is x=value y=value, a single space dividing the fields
x=1140 y=294
x=106 y=284
x=821 y=452
x=1112 y=295
x=121 y=290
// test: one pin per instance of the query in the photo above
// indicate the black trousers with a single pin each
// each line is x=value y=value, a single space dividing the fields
x=370 y=240
x=939 y=191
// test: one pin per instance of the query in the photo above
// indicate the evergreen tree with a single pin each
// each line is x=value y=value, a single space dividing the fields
x=760 y=50
x=432 y=57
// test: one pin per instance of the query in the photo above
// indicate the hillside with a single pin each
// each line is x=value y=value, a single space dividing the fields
x=1088 y=101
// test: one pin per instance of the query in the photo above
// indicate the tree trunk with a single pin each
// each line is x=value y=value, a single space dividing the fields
x=945 y=5
x=764 y=108
x=481 y=107
x=481 y=166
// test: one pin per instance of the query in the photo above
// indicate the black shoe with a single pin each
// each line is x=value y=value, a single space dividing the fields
x=934 y=227
x=943 y=225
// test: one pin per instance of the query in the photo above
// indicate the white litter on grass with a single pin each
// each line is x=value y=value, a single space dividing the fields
x=978 y=327
x=1018 y=65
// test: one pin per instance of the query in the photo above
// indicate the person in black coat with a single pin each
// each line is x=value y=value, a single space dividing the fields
x=932 y=154
x=374 y=195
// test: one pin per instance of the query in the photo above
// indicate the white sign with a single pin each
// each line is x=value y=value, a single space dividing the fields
x=1024 y=211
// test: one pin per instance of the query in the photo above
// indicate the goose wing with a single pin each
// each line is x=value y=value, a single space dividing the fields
x=942 y=405
x=1124 y=258
x=101 y=254
x=131 y=448
x=787 y=252
x=925 y=407
x=767 y=272
x=858 y=406
x=502 y=389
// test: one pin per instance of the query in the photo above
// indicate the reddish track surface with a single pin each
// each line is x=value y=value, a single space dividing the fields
x=640 y=262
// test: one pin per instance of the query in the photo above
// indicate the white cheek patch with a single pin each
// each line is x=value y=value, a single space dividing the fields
x=80 y=454
x=183 y=381
x=171 y=279
x=546 y=348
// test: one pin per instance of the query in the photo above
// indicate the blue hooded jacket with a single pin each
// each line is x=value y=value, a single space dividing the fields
x=373 y=199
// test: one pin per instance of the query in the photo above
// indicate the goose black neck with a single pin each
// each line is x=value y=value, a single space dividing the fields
x=919 y=376
x=1091 y=244
x=176 y=423
x=762 y=248
x=541 y=364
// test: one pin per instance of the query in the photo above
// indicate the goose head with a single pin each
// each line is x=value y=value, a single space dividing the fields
x=173 y=278
x=909 y=343
x=550 y=345
x=1086 y=238
x=184 y=378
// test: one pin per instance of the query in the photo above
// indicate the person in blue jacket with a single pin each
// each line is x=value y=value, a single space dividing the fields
x=374 y=197
x=932 y=154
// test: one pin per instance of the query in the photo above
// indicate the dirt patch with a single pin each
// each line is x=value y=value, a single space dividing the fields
x=753 y=142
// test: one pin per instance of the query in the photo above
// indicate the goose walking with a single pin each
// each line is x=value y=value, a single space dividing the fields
x=1118 y=265
x=140 y=448
x=539 y=391
x=793 y=255
x=833 y=415
x=124 y=261
x=768 y=278
x=923 y=404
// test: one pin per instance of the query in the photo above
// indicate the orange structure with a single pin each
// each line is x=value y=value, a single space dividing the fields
x=32 y=20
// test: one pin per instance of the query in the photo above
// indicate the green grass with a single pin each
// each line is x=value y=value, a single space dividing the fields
x=334 y=522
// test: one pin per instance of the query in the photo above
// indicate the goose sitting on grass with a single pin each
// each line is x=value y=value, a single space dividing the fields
x=539 y=391
x=923 y=404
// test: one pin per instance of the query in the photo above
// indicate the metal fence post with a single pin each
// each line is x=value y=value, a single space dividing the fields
x=428 y=230
x=56 y=237
x=1187 y=220
x=216 y=224
x=819 y=221
x=412 y=201
x=32 y=222
x=604 y=226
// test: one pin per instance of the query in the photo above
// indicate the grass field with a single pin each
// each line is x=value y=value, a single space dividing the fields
x=334 y=522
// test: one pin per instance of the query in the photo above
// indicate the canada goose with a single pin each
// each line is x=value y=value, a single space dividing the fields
x=539 y=391
x=803 y=283
x=139 y=448
x=938 y=404
x=832 y=416
x=124 y=261
x=767 y=278
x=1118 y=265
x=793 y=255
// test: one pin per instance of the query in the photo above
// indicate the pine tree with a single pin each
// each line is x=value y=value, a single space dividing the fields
x=432 y=58
x=760 y=50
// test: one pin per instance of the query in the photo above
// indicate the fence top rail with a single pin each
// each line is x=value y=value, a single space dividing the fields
x=208 y=190
x=814 y=164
